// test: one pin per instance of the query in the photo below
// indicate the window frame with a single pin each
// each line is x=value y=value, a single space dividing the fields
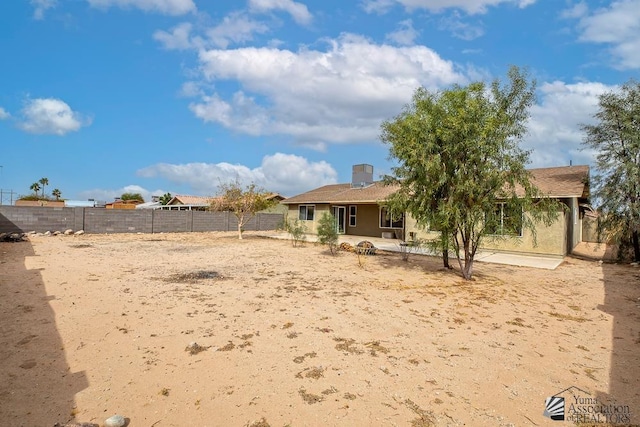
x=306 y=212
x=353 y=212
x=500 y=222
x=390 y=221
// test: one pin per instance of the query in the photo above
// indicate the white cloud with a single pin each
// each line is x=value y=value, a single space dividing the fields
x=576 y=11
x=50 y=116
x=617 y=26
x=236 y=27
x=405 y=35
x=177 y=39
x=338 y=95
x=4 y=114
x=460 y=29
x=555 y=125
x=298 y=11
x=41 y=6
x=167 y=7
x=283 y=173
x=469 y=6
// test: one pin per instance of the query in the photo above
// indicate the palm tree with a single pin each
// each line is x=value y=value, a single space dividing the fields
x=44 y=182
x=56 y=193
x=35 y=187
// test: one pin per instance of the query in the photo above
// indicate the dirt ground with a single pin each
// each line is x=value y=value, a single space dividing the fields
x=204 y=330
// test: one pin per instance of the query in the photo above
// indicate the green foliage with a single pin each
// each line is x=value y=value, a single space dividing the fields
x=458 y=157
x=616 y=138
x=35 y=187
x=132 y=196
x=56 y=193
x=296 y=229
x=44 y=182
x=328 y=231
x=165 y=198
x=243 y=203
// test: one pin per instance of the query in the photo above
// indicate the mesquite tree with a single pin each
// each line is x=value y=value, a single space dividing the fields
x=616 y=138
x=458 y=158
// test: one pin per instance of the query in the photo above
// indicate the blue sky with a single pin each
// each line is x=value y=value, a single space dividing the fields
x=152 y=96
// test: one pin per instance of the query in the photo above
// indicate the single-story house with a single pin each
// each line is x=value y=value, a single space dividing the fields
x=359 y=210
x=199 y=203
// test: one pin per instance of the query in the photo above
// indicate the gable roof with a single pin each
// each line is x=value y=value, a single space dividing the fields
x=344 y=193
x=190 y=200
x=564 y=181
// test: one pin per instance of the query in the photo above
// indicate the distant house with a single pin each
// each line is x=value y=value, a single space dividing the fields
x=41 y=203
x=188 y=203
x=359 y=208
x=123 y=204
x=199 y=203
x=153 y=204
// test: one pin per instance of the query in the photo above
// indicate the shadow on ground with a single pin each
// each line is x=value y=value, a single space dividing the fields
x=36 y=385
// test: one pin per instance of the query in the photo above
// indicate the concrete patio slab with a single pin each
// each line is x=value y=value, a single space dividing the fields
x=392 y=245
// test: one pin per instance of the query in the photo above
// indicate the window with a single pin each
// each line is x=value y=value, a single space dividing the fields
x=305 y=212
x=352 y=215
x=387 y=221
x=504 y=221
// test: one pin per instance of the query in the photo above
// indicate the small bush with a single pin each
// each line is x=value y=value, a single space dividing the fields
x=296 y=229
x=328 y=232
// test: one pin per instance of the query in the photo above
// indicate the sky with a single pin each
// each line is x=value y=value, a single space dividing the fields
x=103 y=97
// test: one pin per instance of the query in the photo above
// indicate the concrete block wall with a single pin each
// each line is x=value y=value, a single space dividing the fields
x=97 y=220
x=36 y=218
x=117 y=221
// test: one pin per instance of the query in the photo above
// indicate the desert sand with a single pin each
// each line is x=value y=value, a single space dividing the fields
x=202 y=329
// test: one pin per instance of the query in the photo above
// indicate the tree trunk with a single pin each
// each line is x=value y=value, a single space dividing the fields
x=445 y=250
x=239 y=230
x=636 y=245
x=467 y=271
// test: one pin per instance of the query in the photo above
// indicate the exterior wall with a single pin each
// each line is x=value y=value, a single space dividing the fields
x=312 y=226
x=97 y=220
x=367 y=221
x=551 y=240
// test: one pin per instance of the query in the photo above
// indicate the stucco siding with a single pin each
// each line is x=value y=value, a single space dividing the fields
x=550 y=240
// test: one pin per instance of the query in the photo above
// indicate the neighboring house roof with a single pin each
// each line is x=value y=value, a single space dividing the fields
x=565 y=181
x=79 y=203
x=125 y=202
x=149 y=205
x=206 y=201
x=190 y=200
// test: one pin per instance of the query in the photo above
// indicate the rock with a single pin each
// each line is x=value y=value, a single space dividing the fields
x=13 y=237
x=68 y=232
x=57 y=233
x=115 y=421
x=79 y=233
x=48 y=233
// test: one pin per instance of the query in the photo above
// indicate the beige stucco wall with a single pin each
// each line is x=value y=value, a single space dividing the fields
x=551 y=240
x=312 y=226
